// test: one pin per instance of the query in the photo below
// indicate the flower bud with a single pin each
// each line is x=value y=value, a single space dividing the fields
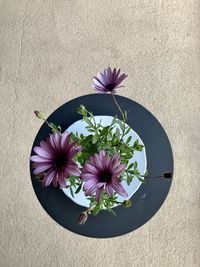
x=82 y=218
x=127 y=203
x=82 y=110
x=40 y=114
x=167 y=175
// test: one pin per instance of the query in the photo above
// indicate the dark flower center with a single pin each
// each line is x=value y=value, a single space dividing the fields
x=61 y=160
x=105 y=177
x=110 y=86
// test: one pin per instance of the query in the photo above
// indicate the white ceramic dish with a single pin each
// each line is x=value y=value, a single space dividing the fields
x=140 y=157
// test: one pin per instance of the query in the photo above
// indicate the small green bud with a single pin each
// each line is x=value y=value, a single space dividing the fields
x=127 y=203
x=40 y=115
x=82 y=110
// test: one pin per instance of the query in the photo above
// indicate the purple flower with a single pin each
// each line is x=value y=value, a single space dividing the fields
x=102 y=172
x=108 y=81
x=54 y=157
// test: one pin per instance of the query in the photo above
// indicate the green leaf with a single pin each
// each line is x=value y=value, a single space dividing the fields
x=90 y=130
x=114 y=120
x=129 y=139
x=106 y=203
x=87 y=121
x=137 y=146
x=105 y=130
x=127 y=131
x=95 y=138
x=117 y=133
x=131 y=172
x=121 y=125
x=53 y=127
x=96 y=210
x=71 y=191
x=129 y=179
x=72 y=180
x=59 y=128
x=78 y=189
x=135 y=165
x=111 y=211
x=130 y=166
x=141 y=179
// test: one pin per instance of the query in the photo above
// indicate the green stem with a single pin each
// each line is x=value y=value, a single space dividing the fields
x=123 y=116
x=151 y=178
x=47 y=123
x=116 y=202
x=90 y=209
x=93 y=125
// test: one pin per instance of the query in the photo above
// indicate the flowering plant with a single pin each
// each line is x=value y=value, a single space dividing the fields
x=96 y=163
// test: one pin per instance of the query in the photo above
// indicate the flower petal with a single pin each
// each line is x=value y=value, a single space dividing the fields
x=105 y=75
x=73 y=151
x=51 y=139
x=55 y=183
x=109 y=72
x=98 y=161
x=71 y=145
x=119 y=189
x=117 y=170
x=102 y=153
x=63 y=138
x=89 y=168
x=116 y=158
x=106 y=161
x=72 y=170
x=90 y=183
x=36 y=158
x=40 y=167
x=62 y=182
x=121 y=78
x=91 y=191
x=113 y=76
x=106 y=78
x=101 y=78
x=42 y=152
x=57 y=139
x=115 y=161
x=51 y=174
x=98 y=193
x=88 y=176
x=97 y=82
x=109 y=189
x=46 y=145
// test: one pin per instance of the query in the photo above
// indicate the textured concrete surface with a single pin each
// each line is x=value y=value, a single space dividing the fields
x=49 y=50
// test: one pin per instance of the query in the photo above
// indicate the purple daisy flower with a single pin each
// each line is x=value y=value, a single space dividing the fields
x=54 y=157
x=102 y=172
x=108 y=81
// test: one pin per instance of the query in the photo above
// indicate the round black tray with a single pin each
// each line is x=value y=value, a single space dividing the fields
x=145 y=202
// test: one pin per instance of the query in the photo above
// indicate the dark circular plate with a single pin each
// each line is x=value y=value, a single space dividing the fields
x=145 y=202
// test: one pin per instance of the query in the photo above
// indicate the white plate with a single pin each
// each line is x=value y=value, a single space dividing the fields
x=140 y=157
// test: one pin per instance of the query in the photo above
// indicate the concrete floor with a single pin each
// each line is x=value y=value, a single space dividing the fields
x=49 y=50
